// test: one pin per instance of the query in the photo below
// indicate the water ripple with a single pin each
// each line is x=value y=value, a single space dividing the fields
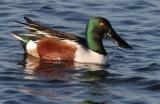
x=132 y=76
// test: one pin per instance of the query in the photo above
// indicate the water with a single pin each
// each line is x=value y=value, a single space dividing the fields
x=132 y=76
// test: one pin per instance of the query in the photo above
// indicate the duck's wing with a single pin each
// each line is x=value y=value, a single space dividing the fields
x=43 y=31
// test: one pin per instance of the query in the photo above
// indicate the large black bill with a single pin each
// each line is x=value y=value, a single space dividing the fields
x=117 y=39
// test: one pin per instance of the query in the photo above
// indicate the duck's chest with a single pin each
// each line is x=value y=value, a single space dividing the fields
x=88 y=56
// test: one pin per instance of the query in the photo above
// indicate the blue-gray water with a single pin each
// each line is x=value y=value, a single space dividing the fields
x=132 y=77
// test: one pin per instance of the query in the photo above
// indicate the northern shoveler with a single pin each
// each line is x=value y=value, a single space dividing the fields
x=50 y=44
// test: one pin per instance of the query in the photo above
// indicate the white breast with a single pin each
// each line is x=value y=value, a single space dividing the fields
x=88 y=56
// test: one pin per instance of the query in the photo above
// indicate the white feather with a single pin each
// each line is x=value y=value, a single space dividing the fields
x=26 y=27
x=42 y=32
x=31 y=48
x=38 y=31
x=19 y=38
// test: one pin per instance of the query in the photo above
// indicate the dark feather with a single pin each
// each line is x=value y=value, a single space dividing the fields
x=34 y=27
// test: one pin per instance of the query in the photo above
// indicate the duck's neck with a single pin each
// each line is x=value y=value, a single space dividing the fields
x=94 y=40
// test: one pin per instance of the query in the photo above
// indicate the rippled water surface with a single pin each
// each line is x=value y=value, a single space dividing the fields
x=132 y=77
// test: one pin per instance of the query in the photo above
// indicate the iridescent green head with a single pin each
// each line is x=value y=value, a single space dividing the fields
x=99 y=27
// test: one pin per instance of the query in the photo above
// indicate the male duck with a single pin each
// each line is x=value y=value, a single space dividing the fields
x=49 y=44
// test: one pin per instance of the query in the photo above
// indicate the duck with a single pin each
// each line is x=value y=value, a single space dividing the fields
x=47 y=43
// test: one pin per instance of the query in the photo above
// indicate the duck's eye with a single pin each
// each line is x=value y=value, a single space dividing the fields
x=101 y=24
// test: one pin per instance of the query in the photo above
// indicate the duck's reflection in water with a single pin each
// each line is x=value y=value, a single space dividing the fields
x=56 y=70
x=50 y=78
x=61 y=70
